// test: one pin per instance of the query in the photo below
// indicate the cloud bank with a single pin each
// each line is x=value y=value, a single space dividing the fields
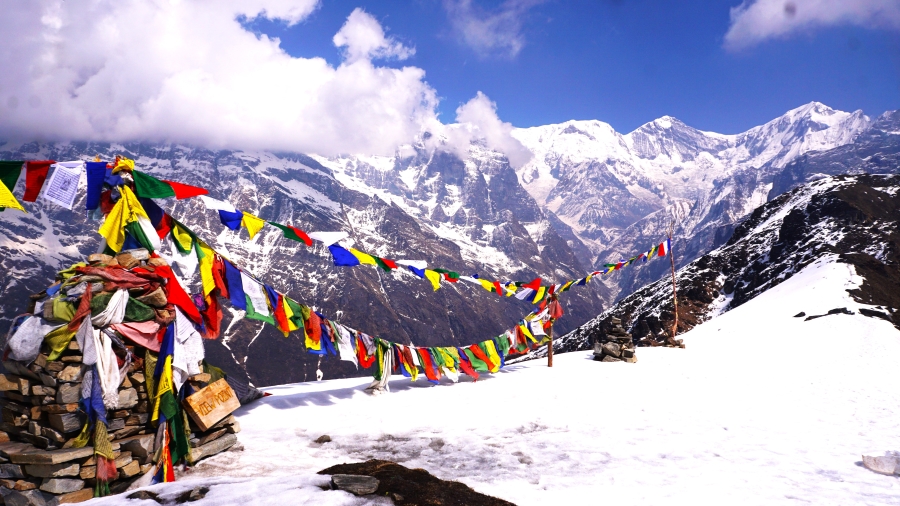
x=477 y=120
x=490 y=33
x=757 y=20
x=188 y=72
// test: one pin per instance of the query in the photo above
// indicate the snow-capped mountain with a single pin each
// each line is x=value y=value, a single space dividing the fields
x=852 y=220
x=470 y=216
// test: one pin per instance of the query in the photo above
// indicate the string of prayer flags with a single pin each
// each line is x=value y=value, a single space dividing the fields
x=150 y=187
x=126 y=211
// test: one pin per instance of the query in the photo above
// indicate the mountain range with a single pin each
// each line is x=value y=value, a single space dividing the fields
x=588 y=196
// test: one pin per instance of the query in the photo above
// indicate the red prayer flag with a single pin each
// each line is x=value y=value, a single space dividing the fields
x=390 y=263
x=177 y=296
x=302 y=235
x=183 y=191
x=281 y=317
x=212 y=317
x=35 y=175
x=534 y=285
x=497 y=287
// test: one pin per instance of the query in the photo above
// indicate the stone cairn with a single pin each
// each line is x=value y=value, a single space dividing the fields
x=615 y=346
x=41 y=416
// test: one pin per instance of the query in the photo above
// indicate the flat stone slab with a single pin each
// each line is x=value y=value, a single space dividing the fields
x=27 y=454
x=217 y=446
x=62 y=485
x=355 y=484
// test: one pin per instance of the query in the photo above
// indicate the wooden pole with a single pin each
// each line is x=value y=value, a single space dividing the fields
x=674 y=289
x=550 y=346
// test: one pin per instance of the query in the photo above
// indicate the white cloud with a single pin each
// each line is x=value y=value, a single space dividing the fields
x=490 y=33
x=363 y=38
x=477 y=120
x=757 y=20
x=188 y=72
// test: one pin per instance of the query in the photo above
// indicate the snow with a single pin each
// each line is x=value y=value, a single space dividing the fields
x=760 y=408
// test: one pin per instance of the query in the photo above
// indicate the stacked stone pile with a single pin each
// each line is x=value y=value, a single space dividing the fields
x=42 y=410
x=615 y=346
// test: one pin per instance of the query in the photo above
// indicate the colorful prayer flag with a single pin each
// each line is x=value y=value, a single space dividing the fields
x=35 y=175
x=292 y=233
x=342 y=257
x=253 y=224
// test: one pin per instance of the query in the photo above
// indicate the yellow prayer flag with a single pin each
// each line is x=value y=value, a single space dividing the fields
x=183 y=237
x=206 y=264
x=364 y=258
x=126 y=210
x=539 y=296
x=493 y=355
x=525 y=330
x=434 y=277
x=253 y=224
x=487 y=285
x=123 y=164
x=8 y=200
x=289 y=313
x=511 y=289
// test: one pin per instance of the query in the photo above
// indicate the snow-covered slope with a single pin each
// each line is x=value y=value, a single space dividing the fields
x=760 y=408
x=854 y=220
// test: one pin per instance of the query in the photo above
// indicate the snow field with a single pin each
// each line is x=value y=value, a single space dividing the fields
x=760 y=408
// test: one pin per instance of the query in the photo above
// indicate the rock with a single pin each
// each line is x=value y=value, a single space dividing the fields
x=53 y=470
x=53 y=436
x=212 y=448
x=140 y=447
x=122 y=413
x=128 y=431
x=630 y=360
x=142 y=407
x=88 y=472
x=130 y=469
x=627 y=353
x=137 y=419
x=323 y=439
x=10 y=383
x=11 y=471
x=66 y=423
x=206 y=438
x=82 y=495
x=42 y=390
x=156 y=262
x=355 y=484
x=62 y=485
x=598 y=348
x=71 y=374
x=888 y=464
x=62 y=408
x=192 y=495
x=72 y=359
x=203 y=377
x=18 y=484
x=144 y=495
x=801 y=314
x=47 y=380
x=126 y=383
x=137 y=377
x=615 y=321
x=123 y=459
x=612 y=349
x=27 y=454
x=116 y=424
x=234 y=428
x=127 y=260
x=55 y=366
x=156 y=298
x=99 y=258
x=27 y=498
x=128 y=398
x=611 y=359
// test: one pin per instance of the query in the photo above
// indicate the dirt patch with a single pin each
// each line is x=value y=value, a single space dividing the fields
x=411 y=487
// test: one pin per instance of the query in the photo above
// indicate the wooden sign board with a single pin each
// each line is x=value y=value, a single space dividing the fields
x=211 y=404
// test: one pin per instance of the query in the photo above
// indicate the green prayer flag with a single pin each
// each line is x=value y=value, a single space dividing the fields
x=135 y=229
x=477 y=363
x=253 y=315
x=149 y=187
x=381 y=264
x=297 y=309
x=9 y=174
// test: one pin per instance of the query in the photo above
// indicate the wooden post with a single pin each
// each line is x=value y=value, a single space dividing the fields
x=669 y=233
x=550 y=346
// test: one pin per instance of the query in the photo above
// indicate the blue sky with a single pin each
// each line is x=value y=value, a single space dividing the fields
x=623 y=62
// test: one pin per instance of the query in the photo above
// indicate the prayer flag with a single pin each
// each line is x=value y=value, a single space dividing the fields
x=385 y=264
x=534 y=284
x=125 y=164
x=664 y=247
x=9 y=173
x=217 y=205
x=127 y=210
x=364 y=258
x=96 y=173
x=184 y=239
x=434 y=277
x=539 y=295
x=293 y=233
x=235 y=286
x=35 y=174
x=418 y=272
x=342 y=257
x=253 y=224
x=232 y=220
x=149 y=187
x=8 y=200
x=184 y=191
x=328 y=238
x=206 y=256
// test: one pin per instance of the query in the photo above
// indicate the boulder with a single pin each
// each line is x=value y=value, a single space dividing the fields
x=219 y=445
x=62 y=485
x=355 y=484
x=612 y=349
x=53 y=470
x=128 y=398
x=66 y=423
x=141 y=447
x=27 y=498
